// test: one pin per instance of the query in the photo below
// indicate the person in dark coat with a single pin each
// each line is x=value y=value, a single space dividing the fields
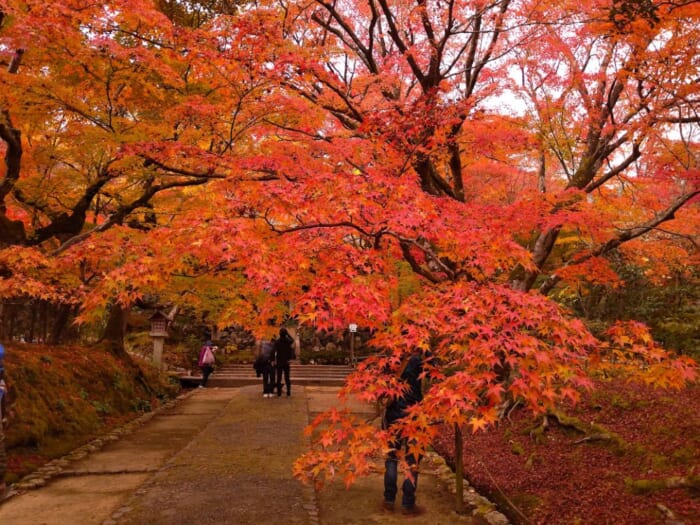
x=263 y=367
x=395 y=410
x=282 y=353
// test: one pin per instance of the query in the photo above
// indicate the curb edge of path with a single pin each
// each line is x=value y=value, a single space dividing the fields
x=310 y=493
x=127 y=505
x=481 y=507
x=56 y=467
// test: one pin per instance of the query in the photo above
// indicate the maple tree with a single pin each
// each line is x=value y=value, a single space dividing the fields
x=286 y=159
x=100 y=104
x=427 y=166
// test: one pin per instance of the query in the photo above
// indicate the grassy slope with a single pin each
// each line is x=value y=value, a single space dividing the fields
x=62 y=397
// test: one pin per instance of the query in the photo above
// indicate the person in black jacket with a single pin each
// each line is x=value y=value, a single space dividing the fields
x=396 y=409
x=282 y=353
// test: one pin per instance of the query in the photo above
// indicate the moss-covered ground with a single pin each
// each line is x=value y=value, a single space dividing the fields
x=627 y=454
x=60 y=397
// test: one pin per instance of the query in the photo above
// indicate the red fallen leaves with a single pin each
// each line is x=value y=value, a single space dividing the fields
x=561 y=482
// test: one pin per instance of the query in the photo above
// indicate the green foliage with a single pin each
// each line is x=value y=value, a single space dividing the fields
x=616 y=400
x=685 y=455
x=680 y=331
x=524 y=501
x=142 y=405
x=408 y=283
x=671 y=310
x=517 y=449
x=647 y=486
x=138 y=342
x=333 y=347
x=122 y=384
x=102 y=409
x=195 y=14
x=236 y=357
x=325 y=357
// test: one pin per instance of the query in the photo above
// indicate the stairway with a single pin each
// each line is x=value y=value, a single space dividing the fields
x=235 y=375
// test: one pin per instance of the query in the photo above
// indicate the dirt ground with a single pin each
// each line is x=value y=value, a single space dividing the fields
x=218 y=456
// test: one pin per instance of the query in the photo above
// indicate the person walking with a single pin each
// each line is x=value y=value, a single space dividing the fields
x=206 y=362
x=410 y=373
x=263 y=367
x=282 y=353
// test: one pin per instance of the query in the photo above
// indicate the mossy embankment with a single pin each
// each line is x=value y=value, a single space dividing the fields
x=60 y=397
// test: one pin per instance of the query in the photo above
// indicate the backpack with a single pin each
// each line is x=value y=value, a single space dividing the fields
x=208 y=357
x=266 y=351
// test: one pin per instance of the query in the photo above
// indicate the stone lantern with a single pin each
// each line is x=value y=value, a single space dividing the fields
x=353 y=330
x=159 y=331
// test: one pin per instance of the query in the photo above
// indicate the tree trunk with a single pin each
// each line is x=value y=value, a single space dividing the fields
x=32 y=323
x=115 y=330
x=12 y=315
x=60 y=324
x=540 y=253
x=459 y=471
x=44 y=322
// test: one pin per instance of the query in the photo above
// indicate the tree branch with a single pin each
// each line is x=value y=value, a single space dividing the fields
x=118 y=216
x=625 y=236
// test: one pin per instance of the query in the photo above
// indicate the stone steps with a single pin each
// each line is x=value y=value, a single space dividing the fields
x=229 y=376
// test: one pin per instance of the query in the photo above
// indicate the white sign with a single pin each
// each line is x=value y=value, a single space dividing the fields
x=353 y=327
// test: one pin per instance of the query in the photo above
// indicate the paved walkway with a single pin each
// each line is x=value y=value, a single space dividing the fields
x=218 y=456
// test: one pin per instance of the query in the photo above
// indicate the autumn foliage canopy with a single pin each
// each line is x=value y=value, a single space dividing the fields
x=309 y=159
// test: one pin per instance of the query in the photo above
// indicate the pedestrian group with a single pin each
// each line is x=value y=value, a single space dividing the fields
x=272 y=363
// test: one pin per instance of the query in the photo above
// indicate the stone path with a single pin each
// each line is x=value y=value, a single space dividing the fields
x=219 y=456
